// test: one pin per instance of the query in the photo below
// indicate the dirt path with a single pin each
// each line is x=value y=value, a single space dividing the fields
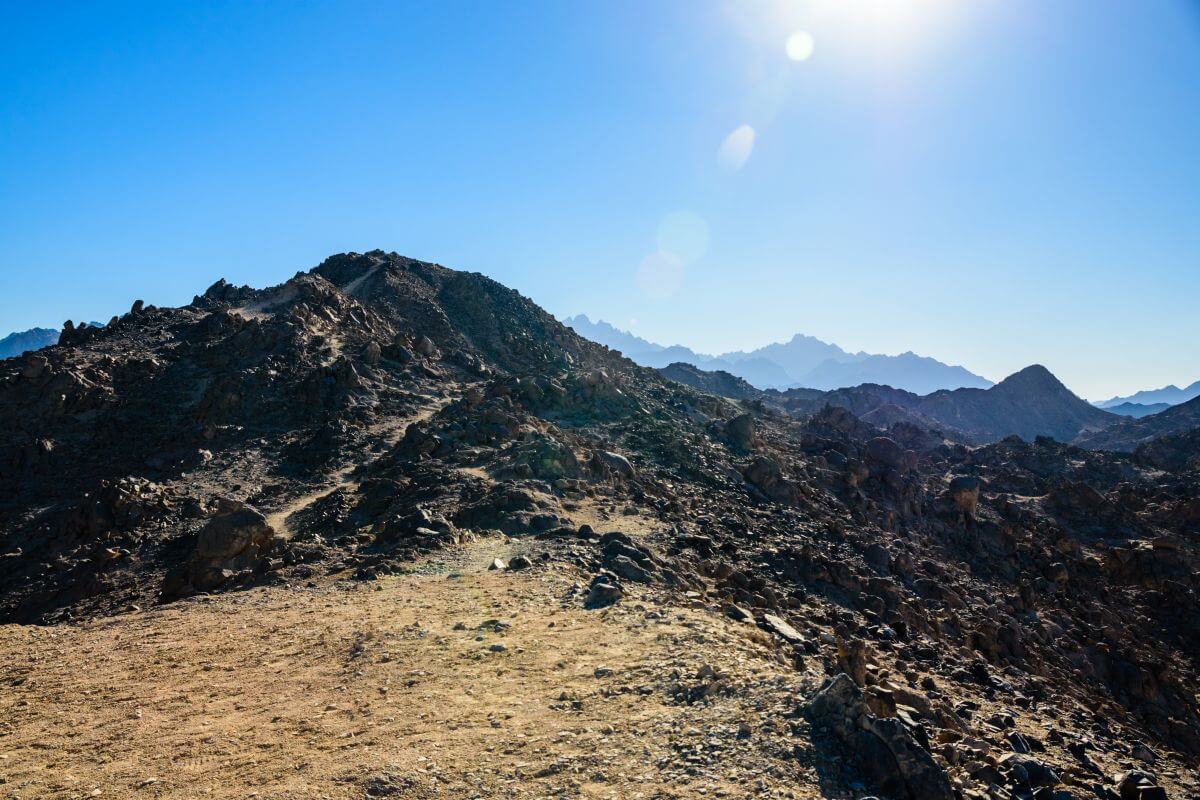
x=390 y=431
x=406 y=687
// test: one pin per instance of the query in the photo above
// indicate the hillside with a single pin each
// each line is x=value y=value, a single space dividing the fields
x=389 y=529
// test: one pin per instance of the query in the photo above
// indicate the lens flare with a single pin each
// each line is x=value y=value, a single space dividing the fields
x=736 y=149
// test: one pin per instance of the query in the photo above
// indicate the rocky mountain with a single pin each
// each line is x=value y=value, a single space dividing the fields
x=450 y=520
x=1170 y=395
x=803 y=361
x=14 y=344
x=1137 y=410
x=1029 y=404
x=1131 y=433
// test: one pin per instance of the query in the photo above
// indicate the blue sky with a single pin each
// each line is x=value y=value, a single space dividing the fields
x=992 y=183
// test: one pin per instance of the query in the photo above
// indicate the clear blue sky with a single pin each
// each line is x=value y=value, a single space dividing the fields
x=993 y=183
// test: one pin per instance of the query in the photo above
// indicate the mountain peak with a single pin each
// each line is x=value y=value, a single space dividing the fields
x=1035 y=377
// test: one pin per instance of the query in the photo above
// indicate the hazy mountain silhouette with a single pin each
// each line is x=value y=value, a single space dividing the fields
x=1137 y=410
x=23 y=341
x=803 y=361
x=908 y=371
x=1171 y=395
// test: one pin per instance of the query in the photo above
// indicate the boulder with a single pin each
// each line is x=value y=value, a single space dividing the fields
x=740 y=432
x=964 y=490
x=611 y=464
x=234 y=541
x=885 y=452
x=883 y=747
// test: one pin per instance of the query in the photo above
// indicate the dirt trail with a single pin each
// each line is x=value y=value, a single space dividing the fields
x=405 y=687
x=390 y=431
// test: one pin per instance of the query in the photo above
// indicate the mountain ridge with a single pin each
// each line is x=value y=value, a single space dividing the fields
x=803 y=361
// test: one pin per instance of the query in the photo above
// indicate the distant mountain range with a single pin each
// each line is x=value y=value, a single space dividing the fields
x=33 y=339
x=1136 y=410
x=804 y=361
x=1128 y=434
x=1171 y=395
x=1028 y=403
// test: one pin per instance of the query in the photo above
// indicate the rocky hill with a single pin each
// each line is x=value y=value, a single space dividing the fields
x=1028 y=404
x=262 y=525
x=719 y=382
x=1131 y=433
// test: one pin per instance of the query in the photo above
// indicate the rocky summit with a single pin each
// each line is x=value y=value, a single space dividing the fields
x=390 y=530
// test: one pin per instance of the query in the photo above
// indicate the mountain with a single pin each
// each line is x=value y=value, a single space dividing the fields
x=457 y=522
x=802 y=361
x=908 y=371
x=1028 y=403
x=797 y=356
x=1171 y=395
x=601 y=332
x=758 y=371
x=716 y=382
x=1130 y=433
x=1137 y=410
x=33 y=339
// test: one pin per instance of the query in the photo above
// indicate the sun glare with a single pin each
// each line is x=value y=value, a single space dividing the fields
x=800 y=46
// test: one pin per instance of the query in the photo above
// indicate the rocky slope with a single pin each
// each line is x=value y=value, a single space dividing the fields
x=1011 y=620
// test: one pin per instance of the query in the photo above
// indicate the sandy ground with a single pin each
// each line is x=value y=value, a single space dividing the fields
x=405 y=687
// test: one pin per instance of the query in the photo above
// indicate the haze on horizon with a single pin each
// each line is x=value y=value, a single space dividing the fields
x=992 y=184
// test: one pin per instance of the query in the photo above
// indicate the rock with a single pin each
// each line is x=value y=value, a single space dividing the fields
x=883 y=748
x=964 y=490
x=1028 y=771
x=498 y=564
x=878 y=557
x=782 y=629
x=740 y=432
x=235 y=540
x=372 y=353
x=612 y=464
x=885 y=452
x=1136 y=784
x=603 y=592
x=425 y=347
